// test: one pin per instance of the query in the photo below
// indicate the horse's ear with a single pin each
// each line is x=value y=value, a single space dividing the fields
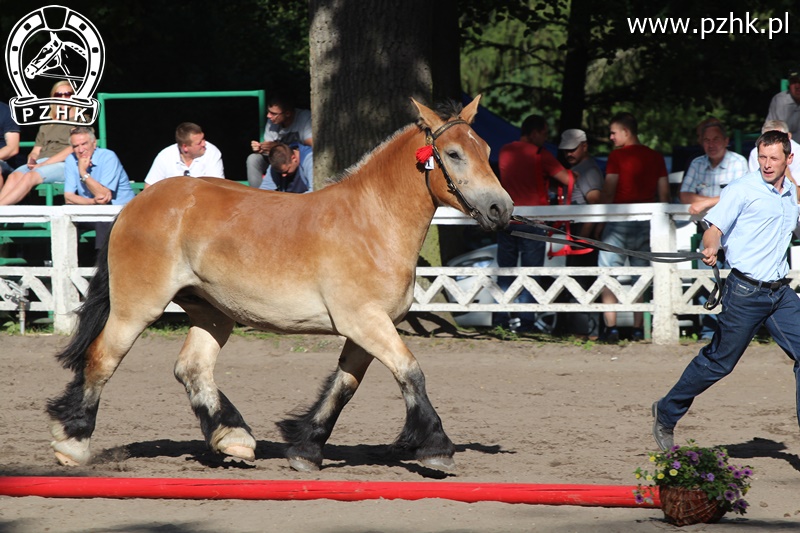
x=469 y=112
x=427 y=117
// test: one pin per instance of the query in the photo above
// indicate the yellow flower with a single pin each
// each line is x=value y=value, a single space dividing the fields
x=652 y=459
x=673 y=472
x=660 y=475
x=638 y=475
x=649 y=477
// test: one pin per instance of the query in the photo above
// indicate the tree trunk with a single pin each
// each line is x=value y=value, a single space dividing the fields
x=367 y=60
x=573 y=88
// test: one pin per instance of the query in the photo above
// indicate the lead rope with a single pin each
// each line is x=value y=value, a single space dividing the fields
x=585 y=242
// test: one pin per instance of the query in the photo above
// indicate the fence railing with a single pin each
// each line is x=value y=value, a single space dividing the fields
x=670 y=289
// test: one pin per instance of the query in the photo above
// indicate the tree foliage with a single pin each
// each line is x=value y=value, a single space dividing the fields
x=518 y=54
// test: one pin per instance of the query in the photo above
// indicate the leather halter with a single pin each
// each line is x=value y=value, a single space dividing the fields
x=430 y=139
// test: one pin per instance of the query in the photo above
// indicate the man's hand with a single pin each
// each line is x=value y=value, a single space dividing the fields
x=710 y=256
x=255 y=146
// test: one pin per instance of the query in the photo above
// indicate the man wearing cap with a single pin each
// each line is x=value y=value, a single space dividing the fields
x=785 y=105
x=526 y=168
x=588 y=176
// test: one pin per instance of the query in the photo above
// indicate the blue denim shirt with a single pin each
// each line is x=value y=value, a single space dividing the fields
x=756 y=223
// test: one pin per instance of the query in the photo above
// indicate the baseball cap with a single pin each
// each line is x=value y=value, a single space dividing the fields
x=570 y=139
x=794 y=74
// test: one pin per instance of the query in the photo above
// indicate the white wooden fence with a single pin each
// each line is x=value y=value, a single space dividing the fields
x=59 y=288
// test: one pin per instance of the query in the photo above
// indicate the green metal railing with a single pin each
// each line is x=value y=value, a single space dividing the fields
x=103 y=97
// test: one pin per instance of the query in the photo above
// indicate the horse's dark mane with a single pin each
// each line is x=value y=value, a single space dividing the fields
x=448 y=109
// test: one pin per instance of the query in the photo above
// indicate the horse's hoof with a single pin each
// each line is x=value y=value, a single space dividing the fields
x=71 y=452
x=240 y=452
x=445 y=464
x=63 y=460
x=302 y=465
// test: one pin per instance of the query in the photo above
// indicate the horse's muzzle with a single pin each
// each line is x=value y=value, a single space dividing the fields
x=496 y=215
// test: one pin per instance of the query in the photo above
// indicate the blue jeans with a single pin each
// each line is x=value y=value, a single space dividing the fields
x=527 y=252
x=745 y=309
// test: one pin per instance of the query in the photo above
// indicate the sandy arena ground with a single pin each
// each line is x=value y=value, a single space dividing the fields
x=527 y=411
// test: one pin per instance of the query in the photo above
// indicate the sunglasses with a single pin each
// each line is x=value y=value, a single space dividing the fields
x=62 y=95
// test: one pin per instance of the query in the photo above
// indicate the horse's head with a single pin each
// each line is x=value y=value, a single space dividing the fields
x=462 y=177
x=47 y=58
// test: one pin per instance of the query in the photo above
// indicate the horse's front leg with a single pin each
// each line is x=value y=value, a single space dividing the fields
x=422 y=433
x=307 y=432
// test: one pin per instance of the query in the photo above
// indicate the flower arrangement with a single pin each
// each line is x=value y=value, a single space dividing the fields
x=694 y=468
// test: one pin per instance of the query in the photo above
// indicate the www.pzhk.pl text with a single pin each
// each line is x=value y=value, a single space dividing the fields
x=710 y=25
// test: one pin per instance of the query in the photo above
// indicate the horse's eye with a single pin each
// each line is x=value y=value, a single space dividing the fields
x=453 y=155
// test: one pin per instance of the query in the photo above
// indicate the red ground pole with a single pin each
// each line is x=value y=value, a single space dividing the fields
x=238 y=489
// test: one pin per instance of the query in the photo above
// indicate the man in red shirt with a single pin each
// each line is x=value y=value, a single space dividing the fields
x=634 y=174
x=526 y=168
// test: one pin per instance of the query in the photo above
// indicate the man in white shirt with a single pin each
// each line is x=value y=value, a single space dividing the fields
x=785 y=105
x=191 y=155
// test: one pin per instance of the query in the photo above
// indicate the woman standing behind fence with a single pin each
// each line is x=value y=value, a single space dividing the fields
x=46 y=160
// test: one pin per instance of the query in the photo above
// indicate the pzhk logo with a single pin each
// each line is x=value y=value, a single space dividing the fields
x=49 y=44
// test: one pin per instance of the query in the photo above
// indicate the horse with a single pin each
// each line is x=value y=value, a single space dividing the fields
x=57 y=54
x=340 y=260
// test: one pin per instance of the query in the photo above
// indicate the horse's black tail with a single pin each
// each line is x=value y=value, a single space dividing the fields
x=92 y=316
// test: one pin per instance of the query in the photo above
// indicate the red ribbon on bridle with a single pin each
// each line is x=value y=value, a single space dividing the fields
x=424 y=153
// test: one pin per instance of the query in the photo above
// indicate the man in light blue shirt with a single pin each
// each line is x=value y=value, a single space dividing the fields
x=291 y=169
x=753 y=222
x=705 y=178
x=94 y=176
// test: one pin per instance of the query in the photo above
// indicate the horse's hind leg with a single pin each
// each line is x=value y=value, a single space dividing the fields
x=307 y=432
x=222 y=425
x=74 y=413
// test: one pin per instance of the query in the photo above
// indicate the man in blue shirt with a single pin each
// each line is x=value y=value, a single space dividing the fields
x=753 y=222
x=94 y=176
x=291 y=169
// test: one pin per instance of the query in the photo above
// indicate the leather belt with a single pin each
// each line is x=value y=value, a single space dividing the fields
x=771 y=285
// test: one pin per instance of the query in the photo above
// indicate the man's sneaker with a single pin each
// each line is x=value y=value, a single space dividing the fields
x=638 y=335
x=610 y=336
x=664 y=436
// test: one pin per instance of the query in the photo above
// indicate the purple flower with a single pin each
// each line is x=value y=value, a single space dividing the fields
x=639 y=498
x=741 y=504
x=737 y=474
x=709 y=477
x=729 y=495
x=676 y=465
x=693 y=456
x=721 y=463
x=747 y=472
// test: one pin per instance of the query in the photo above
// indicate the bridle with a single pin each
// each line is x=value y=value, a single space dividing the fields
x=430 y=140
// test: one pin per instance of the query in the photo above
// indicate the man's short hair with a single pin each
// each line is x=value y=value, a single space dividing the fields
x=184 y=132
x=80 y=130
x=713 y=124
x=627 y=121
x=775 y=125
x=532 y=123
x=775 y=137
x=283 y=101
x=279 y=155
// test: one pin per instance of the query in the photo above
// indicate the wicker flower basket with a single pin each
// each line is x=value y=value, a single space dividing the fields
x=683 y=507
